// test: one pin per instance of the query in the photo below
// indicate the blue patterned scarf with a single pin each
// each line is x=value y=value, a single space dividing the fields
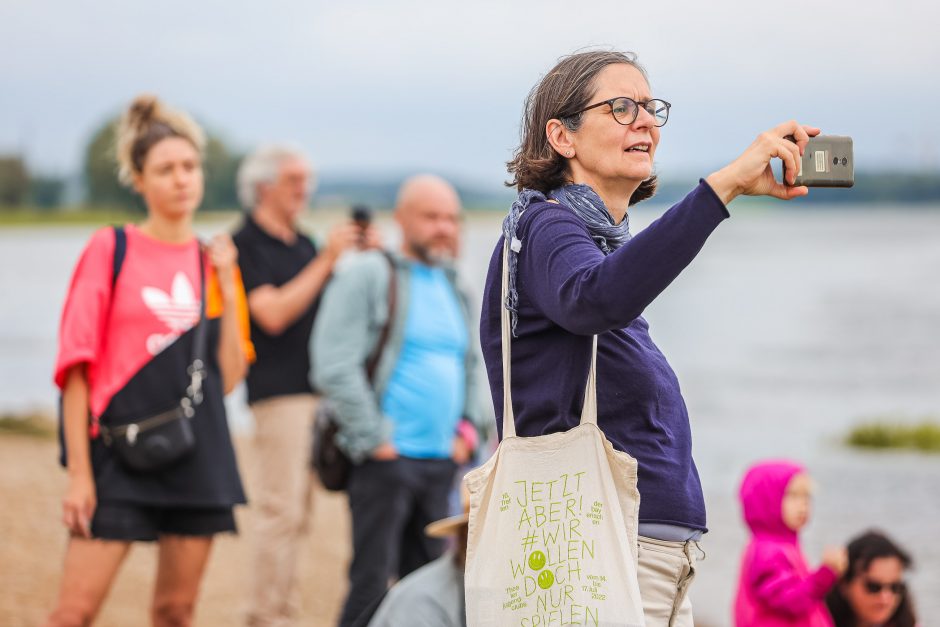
x=586 y=204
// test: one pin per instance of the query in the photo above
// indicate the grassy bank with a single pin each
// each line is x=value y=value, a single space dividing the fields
x=886 y=433
x=80 y=217
x=89 y=216
x=30 y=424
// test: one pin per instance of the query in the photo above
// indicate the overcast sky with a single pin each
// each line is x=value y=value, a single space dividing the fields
x=378 y=87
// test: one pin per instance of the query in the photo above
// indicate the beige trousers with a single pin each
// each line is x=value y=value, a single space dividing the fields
x=666 y=569
x=281 y=496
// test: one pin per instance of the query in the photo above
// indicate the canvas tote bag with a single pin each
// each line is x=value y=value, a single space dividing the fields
x=553 y=523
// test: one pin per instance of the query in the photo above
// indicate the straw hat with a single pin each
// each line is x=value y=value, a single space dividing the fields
x=451 y=525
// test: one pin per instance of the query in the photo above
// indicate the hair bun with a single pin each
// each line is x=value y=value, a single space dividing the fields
x=145 y=122
x=143 y=110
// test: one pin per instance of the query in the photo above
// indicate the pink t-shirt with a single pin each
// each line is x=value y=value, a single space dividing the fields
x=155 y=300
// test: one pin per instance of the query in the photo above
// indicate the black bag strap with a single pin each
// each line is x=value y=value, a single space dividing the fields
x=372 y=363
x=197 y=366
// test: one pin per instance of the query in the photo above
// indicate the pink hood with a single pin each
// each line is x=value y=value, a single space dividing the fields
x=762 y=497
x=776 y=589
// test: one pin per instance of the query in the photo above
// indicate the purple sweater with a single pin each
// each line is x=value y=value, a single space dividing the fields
x=569 y=291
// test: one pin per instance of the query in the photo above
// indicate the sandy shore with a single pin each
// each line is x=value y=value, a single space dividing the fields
x=32 y=545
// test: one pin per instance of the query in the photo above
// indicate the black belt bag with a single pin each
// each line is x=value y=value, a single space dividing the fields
x=161 y=440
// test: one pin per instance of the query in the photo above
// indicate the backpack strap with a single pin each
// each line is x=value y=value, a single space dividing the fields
x=120 y=250
x=117 y=262
x=372 y=364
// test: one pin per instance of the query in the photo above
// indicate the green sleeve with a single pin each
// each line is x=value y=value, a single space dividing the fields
x=344 y=334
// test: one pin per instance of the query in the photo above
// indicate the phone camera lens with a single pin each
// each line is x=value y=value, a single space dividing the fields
x=845 y=161
x=835 y=161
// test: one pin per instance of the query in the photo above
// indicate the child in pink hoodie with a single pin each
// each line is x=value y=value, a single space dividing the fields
x=776 y=588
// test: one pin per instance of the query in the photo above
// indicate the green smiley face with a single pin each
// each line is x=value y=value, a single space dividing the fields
x=546 y=579
x=537 y=560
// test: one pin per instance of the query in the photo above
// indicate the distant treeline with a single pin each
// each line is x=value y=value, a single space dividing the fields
x=870 y=188
x=885 y=187
x=380 y=193
x=97 y=185
x=102 y=190
x=918 y=188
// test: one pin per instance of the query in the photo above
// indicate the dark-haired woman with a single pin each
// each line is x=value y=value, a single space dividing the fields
x=872 y=592
x=137 y=340
x=590 y=132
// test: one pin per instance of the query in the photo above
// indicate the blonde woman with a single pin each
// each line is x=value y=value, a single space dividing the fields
x=153 y=334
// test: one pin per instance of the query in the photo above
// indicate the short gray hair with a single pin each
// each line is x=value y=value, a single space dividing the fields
x=263 y=166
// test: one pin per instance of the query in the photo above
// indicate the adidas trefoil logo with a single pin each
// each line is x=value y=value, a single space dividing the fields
x=178 y=310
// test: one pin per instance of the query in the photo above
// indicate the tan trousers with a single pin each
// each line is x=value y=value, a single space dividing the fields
x=666 y=569
x=281 y=498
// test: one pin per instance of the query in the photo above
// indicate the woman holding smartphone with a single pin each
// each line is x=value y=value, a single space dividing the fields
x=142 y=301
x=590 y=132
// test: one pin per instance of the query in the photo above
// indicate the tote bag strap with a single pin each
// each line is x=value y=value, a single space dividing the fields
x=588 y=410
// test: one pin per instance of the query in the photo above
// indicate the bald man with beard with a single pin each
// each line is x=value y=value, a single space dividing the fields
x=408 y=430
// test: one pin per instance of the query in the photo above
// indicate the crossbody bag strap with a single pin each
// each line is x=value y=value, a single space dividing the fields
x=197 y=365
x=588 y=410
x=372 y=364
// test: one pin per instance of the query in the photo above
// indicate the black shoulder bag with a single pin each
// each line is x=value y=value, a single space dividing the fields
x=159 y=441
x=331 y=463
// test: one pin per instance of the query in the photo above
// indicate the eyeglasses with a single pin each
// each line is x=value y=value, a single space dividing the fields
x=875 y=587
x=625 y=110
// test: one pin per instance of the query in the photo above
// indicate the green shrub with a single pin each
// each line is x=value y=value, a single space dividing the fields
x=923 y=436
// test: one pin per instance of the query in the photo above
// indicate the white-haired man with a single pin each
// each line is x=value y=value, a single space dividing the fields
x=284 y=274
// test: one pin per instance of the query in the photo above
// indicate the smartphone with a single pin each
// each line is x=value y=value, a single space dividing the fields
x=827 y=162
x=361 y=215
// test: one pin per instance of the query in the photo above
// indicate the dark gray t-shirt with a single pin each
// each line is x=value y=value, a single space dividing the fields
x=282 y=363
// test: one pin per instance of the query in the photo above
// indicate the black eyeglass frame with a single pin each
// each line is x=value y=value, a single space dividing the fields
x=636 y=112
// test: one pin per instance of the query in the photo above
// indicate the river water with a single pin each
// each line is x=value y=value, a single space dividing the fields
x=790 y=327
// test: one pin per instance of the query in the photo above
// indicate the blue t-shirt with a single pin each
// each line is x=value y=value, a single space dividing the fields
x=425 y=394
